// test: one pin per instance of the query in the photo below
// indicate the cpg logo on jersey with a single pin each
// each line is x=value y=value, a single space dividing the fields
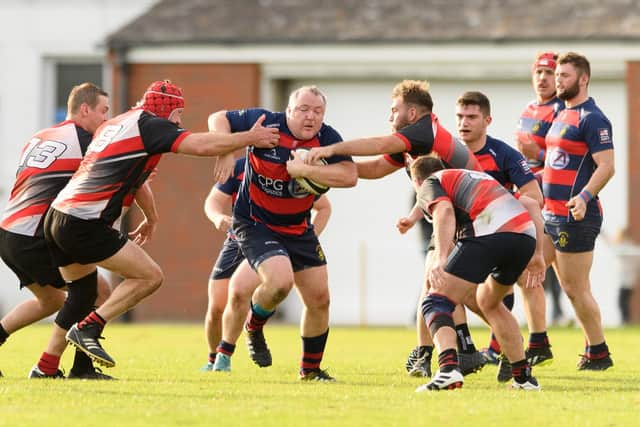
x=558 y=158
x=273 y=187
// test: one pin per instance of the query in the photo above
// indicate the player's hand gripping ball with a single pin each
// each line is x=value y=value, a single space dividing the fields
x=308 y=184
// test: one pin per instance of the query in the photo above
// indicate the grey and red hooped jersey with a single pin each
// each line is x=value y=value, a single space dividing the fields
x=47 y=162
x=123 y=153
x=482 y=205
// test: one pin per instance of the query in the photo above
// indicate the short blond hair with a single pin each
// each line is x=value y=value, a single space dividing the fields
x=85 y=93
x=415 y=92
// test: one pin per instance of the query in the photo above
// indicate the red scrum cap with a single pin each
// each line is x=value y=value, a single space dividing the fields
x=161 y=98
x=545 y=59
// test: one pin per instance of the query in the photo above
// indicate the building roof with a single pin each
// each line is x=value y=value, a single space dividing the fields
x=380 y=21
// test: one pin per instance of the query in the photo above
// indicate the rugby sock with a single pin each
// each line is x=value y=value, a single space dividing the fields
x=463 y=338
x=312 y=352
x=494 y=344
x=48 y=363
x=258 y=317
x=224 y=348
x=598 y=351
x=212 y=357
x=538 y=340
x=81 y=363
x=521 y=371
x=3 y=334
x=93 y=317
x=448 y=360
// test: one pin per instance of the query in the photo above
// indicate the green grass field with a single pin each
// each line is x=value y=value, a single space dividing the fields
x=160 y=384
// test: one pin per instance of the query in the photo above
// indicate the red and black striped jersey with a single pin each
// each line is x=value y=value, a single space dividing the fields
x=268 y=194
x=47 y=162
x=575 y=134
x=482 y=206
x=427 y=136
x=123 y=153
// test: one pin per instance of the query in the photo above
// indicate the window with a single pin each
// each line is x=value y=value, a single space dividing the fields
x=69 y=75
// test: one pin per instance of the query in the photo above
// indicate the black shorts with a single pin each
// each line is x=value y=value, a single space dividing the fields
x=29 y=258
x=575 y=236
x=259 y=243
x=228 y=260
x=503 y=255
x=74 y=240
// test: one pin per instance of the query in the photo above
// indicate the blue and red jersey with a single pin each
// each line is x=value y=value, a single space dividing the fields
x=504 y=163
x=535 y=122
x=575 y=135
x=232 y=185
x=268 y=194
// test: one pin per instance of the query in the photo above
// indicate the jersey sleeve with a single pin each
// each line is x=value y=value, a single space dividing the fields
x=160 y=135
x=418 y=137
x=396 y=159
x=597 y=132
x=518 y=170
x=243 y=120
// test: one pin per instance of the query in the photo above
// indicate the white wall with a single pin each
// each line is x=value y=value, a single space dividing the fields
x=364 y=217
x=32 y=35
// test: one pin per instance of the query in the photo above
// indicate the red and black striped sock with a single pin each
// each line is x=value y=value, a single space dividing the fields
x=224 y=348
x=312 y=352
x=538 y=340
x=448 y=360
x=48 y=363
x=494 y=344
x=598 y=351
x=521 y=371
x=257 y=317
x=93 y=317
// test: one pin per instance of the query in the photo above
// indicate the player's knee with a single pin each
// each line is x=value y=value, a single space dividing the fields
x=436 y=310
x=81 y=297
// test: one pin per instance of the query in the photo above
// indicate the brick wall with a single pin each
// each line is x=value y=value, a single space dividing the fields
x=633 y=103
x=186 y=244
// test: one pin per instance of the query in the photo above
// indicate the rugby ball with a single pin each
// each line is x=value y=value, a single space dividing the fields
x=307 y=184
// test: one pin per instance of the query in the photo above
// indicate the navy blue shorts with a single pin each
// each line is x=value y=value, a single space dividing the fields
x=503 y=255
x=75 y=240
x=229 y=259
x=29 y=258
x=575 y=236
x=259 y=243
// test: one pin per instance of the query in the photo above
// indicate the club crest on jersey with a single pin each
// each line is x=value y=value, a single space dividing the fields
x=535 y=128
x=558 y=158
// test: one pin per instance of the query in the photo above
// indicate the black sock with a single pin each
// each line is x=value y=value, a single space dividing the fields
x=448 y=360
x=212 y=357
x=3 y=334
x=521 y=371
x=81 y=363
x=599 y=351
x=312 y=352
x=538 y=340
x=463 y=338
